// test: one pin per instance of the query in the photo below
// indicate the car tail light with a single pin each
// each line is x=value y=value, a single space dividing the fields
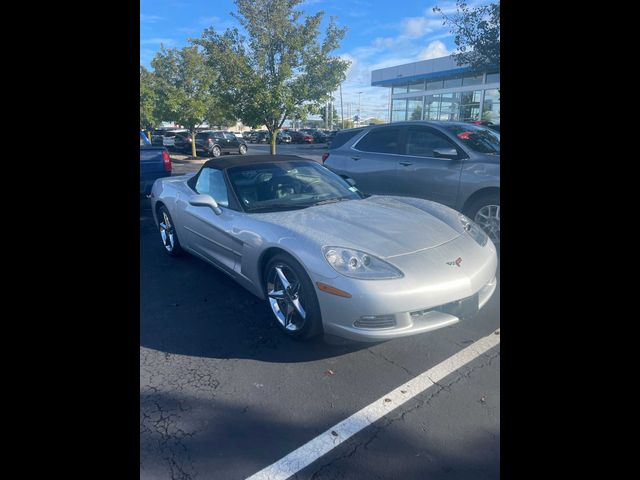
x=324 y=157
x=166 y=161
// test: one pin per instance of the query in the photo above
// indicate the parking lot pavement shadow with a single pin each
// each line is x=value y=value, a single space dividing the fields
x=186 y=436
x=189 y=307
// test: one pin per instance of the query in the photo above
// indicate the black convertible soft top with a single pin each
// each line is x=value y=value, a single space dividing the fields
x=222 y=163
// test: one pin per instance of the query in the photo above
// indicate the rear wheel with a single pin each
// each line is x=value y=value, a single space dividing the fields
x=485 y=211
x=215 y=151
x=292 y=298
x=243 y=149
x=168 y=233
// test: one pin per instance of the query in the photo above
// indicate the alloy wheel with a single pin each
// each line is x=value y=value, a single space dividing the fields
x=488 y=217
x=167 y=233
x=285 y=293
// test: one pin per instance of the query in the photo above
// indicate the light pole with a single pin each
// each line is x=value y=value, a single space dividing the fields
x=359 y=108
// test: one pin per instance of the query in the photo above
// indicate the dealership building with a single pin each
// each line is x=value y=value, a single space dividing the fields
x=439 y=89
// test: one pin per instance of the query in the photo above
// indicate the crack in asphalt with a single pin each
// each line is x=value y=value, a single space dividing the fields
x=384 y=357
x=389 y=419
x=163 y=436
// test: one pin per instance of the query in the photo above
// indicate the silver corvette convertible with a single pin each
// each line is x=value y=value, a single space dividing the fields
x=326 y=257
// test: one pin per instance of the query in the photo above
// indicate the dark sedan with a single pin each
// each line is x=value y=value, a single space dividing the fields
x=215 y=143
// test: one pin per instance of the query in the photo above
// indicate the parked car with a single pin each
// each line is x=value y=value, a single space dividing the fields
x=283 y=137
x=322 y=255
x=217 y=142
x=182 y=142
x=301 y=137
x=490 y=125
x=165 y=136
x=155 y=163
x=453 y=163
x=319 y=136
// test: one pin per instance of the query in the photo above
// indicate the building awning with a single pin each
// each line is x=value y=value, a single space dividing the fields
x=422 y=76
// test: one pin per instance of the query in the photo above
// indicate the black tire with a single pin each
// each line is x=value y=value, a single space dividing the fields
x=477 y=204
x=242 y=150
x=215 y=151
x=174 y=249
x=312 y=324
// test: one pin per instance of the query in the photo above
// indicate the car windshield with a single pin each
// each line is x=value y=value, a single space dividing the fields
x=480 y=139
x=272 y=187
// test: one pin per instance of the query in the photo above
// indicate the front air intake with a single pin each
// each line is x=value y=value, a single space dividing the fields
x=375 y=321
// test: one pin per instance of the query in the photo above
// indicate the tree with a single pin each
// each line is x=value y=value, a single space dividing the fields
x=149 y=115
x=334 y=118
x=184 y=87
x=477 y=34
x=281 y=69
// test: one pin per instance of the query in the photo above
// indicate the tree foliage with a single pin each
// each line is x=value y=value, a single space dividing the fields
x=282 y=69
x=477 y=34
x=184 y=87
x=149 y=114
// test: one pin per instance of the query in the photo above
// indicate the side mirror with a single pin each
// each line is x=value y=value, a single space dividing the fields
x=450 y=153
x=350 y=181
x=204 y=200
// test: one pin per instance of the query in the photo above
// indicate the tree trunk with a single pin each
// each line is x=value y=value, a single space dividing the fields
x=274 y=136
x=193 y=143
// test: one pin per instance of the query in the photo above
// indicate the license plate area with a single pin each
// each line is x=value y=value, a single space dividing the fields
x=463 y=308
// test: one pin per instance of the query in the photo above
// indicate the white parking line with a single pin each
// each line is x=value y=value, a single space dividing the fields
x=334 y=436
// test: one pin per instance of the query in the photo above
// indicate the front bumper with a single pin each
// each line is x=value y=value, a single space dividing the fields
x=428 y=297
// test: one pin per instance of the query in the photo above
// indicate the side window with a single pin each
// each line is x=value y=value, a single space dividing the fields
x=229 y=136
x=422 y=142
x=380 y=140
x=211 y=182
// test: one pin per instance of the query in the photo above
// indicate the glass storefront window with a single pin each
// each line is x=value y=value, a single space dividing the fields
x=453 y=82
x=431 y=107
x=493 y=77
x=399 y=110
x=434 y=85
x=416 y=86
x=399 y=89
x=491 y=106
x=472 y=80
x=470 y=106
x=449 y=106
x=414 y=108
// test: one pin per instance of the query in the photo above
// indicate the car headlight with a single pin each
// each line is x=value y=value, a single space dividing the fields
x=473 y=230
x=357 y=264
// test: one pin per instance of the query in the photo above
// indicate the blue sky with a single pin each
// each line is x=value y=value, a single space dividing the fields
x=381 y=33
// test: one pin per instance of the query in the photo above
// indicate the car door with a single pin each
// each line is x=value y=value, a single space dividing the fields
x=372 y=161
x=421 y=173
x=210 y=235
x=232 y=142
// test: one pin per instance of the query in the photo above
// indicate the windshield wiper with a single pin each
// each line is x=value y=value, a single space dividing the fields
x=287 y=206
x=330 y=200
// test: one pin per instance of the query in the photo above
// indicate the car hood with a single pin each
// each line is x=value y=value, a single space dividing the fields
x=383 y=226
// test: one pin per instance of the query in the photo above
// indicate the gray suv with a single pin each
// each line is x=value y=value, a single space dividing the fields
x=453 y=163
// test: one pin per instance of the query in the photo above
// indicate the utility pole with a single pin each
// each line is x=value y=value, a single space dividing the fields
x=359 y=108
x=326 y=115
x=341 y=109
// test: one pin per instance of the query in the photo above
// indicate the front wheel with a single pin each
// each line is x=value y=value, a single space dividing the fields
x=292 y=298
x=485 y=211
x=243 y=149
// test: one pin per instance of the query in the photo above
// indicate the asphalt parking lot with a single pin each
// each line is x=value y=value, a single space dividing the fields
x=223 y=394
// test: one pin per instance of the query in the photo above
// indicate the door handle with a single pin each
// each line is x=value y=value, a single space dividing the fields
x=406 y=164
x=355 y=158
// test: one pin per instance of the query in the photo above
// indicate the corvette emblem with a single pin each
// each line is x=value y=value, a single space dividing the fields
x=456 y=262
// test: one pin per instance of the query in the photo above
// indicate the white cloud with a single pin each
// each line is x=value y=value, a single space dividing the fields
x=434 y=50
x=150 y=18
x=414 y=27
